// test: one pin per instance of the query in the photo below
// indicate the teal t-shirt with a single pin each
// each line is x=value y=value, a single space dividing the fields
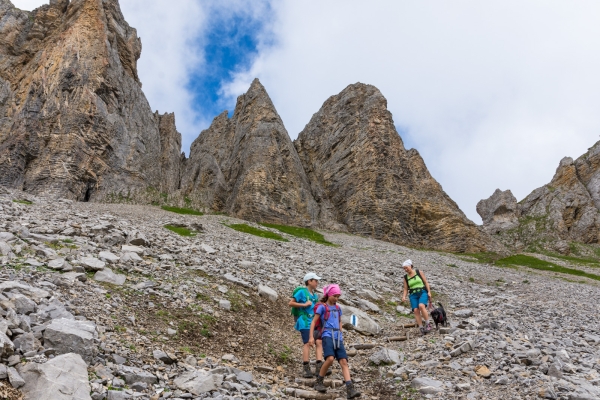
x=307 y=315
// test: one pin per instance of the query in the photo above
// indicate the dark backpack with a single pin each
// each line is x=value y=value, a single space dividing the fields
x=320 y=324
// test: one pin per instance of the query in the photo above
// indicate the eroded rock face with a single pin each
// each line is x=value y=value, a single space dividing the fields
x=565 y=210
x=362 y=177
x=74 y=122
x=247 y=166
x=499 y=212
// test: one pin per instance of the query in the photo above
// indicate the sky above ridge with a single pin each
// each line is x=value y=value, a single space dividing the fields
x=492 y=94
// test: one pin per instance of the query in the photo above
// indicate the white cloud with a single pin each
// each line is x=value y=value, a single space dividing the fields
x=492 y=94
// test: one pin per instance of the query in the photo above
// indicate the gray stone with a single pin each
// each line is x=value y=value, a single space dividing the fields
x=64 y=377
x=108 y=257
x=427 y=385
x=108 y=276
x=29 y=291
x=207 y=249
x=15 y=378
x=366 y=325
x=386 y=357
x=131 y=256
x=135 y=374
x=5 y=248
x=466 y=313
x=267 y=292
x=244 y=376
x=499 y=212
x=57 y=263
x=132 y=249
x=7 y=348
x=196 y=382
x=71 y=336
x=368 y=306
x=92 y=264
x=3 y=371
x=117 y=395
x=162 y=356
x=225 y=304
x=236 y=280
x=26 y=342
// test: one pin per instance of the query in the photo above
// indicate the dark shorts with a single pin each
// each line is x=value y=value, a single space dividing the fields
x=306 y=335
x=329 y=350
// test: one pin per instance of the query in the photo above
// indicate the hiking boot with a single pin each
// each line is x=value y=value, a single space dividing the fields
x=319 y=385
x=423 y=331
x=318 y=369
x=428 y=327
x=307 y=373
x=351 y=392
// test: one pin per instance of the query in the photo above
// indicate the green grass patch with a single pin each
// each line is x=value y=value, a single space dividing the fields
x=185 y=211
x=303 y=233
x=542 y=265
x=23 y=202
x=181 y=230
x=257 y=232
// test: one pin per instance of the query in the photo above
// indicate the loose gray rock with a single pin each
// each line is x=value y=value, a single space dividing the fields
x=108 y=276
x=71 y=336
x=427 y=385
x=267 y=292
x=385 y=357
x=196 y=382
x=64 y=377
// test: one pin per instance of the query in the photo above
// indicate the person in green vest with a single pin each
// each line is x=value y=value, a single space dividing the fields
x=303 y=302
x=417 y=288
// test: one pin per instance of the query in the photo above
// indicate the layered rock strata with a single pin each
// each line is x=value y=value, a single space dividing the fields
x=565 y=210
x=247 y=165
x=362 y=177
x=74 y=122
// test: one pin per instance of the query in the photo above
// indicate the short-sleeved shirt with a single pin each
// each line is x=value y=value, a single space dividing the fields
x=332 y=323
x=307 y=315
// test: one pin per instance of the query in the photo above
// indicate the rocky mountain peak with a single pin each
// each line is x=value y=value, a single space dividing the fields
x=363 y=178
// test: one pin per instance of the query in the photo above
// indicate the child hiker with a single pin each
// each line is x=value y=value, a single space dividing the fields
x=416 y=285
x=328 y=323
x=303 y=301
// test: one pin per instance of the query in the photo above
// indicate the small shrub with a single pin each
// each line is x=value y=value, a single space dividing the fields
x=471 y=279
x=453 y=265
x=181 y=230
x=257 y=232
x=303 y=233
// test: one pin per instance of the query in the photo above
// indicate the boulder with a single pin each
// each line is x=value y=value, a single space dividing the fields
x=466 y=313
x=108 y=257
x=26 y=342
x=499 y=212
x=207 y=249
x=57 y=264
x=385 y=357
x=365 y=324
x=131 y=256
x=29 y=291
x=71 y=336
x=7 y=347
x=265 y=291
x=92 y=264
x=427 y=385
x=108 y=276
x=132 y=249
x=64 y=377
x=23 y=304
x=196 y=382
x=15 y=379
x=5 y=248
x=135 y=374
x=162 y=356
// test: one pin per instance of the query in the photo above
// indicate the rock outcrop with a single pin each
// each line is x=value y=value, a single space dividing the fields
x=74 y=122
x=247 y=165
x=565 y=210
x=499 y=212
x=362 y=177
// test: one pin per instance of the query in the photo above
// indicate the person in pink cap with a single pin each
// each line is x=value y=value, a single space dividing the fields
x=328 y=323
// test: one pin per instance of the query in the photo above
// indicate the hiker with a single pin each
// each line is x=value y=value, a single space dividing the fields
x=304 y=298
x=327 y=324
x=417 y=287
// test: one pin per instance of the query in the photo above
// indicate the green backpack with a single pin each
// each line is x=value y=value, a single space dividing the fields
x=297 y=312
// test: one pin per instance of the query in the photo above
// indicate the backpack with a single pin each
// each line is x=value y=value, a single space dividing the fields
x=418 y=274
x=297 y=312
x=320 y=324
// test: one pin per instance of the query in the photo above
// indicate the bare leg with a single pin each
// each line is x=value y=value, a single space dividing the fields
x=326 y=365
x=319 y=350
x=423 y=309
x=345 y=369
x=306 y=352
x=417 y=316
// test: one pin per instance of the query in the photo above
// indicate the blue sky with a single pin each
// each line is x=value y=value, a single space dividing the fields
x=492 y=94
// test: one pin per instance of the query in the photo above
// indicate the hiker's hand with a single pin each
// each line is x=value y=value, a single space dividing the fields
x=429 y=295
x=308 y=304
x=403 y=300
x=311 y=342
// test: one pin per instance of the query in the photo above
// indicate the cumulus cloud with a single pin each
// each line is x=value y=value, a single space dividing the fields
x=492 y=94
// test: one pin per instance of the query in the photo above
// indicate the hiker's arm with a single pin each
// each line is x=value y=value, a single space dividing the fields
x=311 y=341
x=404 y=290
x=426 y=284
x=294 y=303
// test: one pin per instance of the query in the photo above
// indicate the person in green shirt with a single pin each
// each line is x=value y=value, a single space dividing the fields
x=303 y=302
x=417 y=287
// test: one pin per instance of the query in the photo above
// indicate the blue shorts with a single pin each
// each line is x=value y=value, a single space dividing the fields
x=305 y=335
x=329 y=350
x=418 y=298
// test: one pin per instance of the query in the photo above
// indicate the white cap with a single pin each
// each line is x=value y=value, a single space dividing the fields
x=407 y=263
x=311 y=275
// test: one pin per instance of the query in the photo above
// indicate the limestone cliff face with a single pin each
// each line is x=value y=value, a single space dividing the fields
x=565 y=210
x=74 y=122
x=247 y=166
x=362 y=177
